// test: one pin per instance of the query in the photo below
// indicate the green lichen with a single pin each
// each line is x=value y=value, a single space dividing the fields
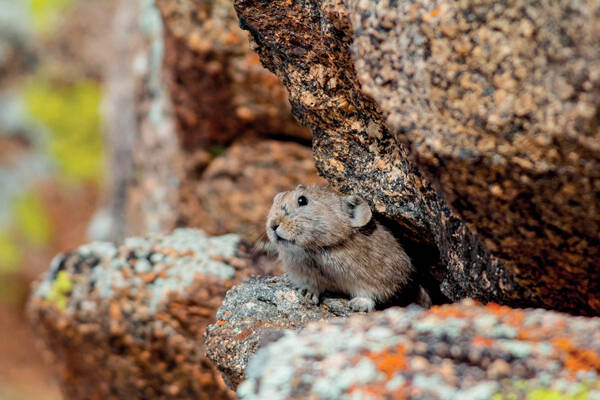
x=45 y=13
x=71 y=114
x=60 y=289
x=551 y=394
x=32 y=219
x=531 y=390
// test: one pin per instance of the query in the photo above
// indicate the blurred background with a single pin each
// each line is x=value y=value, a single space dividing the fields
x=52 y=160
x=121 y=118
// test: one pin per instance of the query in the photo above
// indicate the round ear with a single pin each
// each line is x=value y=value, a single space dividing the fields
x=357 y=209
x=300 y=187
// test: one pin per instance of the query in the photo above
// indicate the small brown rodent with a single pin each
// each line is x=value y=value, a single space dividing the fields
x=331 y=242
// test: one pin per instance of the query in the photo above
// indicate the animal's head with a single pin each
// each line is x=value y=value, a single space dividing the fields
x=314 y=217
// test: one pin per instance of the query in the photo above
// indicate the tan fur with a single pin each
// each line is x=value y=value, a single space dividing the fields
x=333 y=243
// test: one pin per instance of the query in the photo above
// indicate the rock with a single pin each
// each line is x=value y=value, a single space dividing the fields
x=510 y=238
x=460 y=351
x=142 y=146
x=127 y=321
x=236 y=191
x=355 y=151
x=507 y=127
x=255 y=313
x=218 y=87
x=182 y=87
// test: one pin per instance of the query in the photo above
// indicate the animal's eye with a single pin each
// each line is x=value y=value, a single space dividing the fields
x=302 y=201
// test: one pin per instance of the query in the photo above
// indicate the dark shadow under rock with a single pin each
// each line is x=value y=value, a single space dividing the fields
x=255 y=313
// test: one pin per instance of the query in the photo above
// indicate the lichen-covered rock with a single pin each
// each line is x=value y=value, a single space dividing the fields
x=127 y=321
x=500 y=104
x=461 y=351
x=442 y=72
x=236 y=191
x=256 y=312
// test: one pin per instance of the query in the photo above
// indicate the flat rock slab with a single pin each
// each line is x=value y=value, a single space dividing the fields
x=257 y=312
x=128 y=321
x=460 y=351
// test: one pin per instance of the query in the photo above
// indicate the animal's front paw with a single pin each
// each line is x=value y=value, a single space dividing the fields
x=310 y=295
x=362 y=304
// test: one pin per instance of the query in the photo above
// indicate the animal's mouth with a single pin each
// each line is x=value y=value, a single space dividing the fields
x=282 y=240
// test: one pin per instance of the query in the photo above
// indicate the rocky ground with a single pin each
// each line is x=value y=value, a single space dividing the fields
x=255 y=313
x=460 y=351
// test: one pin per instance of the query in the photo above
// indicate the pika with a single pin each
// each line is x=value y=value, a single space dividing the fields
x=330 y=242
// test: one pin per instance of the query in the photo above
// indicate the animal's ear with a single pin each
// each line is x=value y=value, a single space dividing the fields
x=300 y=187
x=357 y=209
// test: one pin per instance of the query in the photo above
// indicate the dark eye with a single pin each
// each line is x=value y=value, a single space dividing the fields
x=302 y=201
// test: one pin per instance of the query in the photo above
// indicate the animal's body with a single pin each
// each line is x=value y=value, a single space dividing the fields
x=331 y=242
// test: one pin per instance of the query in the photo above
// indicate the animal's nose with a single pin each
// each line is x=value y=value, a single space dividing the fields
x=274 y=226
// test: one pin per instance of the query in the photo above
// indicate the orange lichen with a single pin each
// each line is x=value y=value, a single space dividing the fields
x=226 y=313
x=435 y=12
x=221 y=322
x=482 y=341
x=508 y=315
x=531 y=335
x=390 y=361
x=447 y=311
x=576 y=358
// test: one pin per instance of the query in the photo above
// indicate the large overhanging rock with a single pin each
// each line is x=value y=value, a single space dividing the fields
x=536 y=211
x=501 y=105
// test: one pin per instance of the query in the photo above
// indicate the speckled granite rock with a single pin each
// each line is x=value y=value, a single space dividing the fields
x=127 y=321
x=356 y=152
x=256 y=312
x=462 y=351
x=535 y=210
x=500 y=105
x=236 y=191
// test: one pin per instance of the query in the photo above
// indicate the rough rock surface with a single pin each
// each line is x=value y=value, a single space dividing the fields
x=128 y=321
x=356 y=152
x=255 y=313
x=500 y=104
x=460 y=351
x=236 y=191
x=217 y=84
x=308 y=45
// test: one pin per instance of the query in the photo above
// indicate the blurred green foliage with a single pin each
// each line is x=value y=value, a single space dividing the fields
x=32 y=227
x=32 y=220
x=72 y=115
x=10 y=254
x=46 y=12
